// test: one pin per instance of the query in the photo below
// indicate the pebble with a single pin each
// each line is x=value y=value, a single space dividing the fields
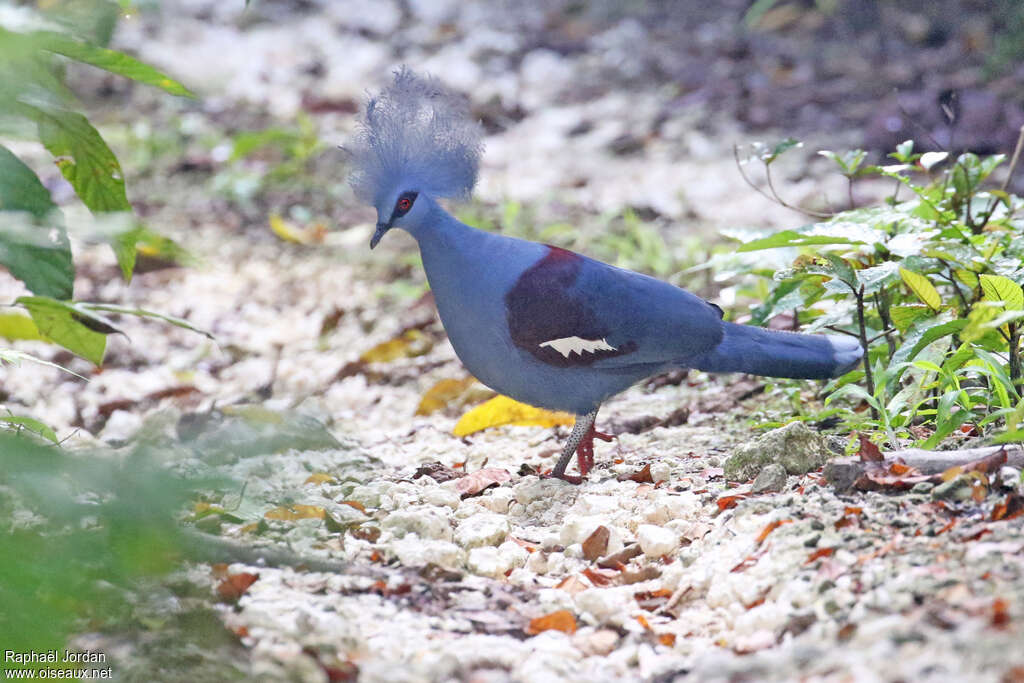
x=656 y=541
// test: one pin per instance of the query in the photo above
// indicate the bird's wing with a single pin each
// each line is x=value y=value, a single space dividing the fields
x=571 y=311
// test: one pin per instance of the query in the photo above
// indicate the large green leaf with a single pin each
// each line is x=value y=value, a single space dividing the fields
x=33 y=243
x=110 y=60
x=77 y=329
x=923 y=288
x=999 y=288
x=791 y=238
x=84 y=159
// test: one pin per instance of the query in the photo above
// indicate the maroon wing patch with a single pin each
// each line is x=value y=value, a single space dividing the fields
x=549 y=320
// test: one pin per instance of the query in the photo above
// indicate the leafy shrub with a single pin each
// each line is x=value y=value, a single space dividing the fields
x=36 y=104
x=930 y=285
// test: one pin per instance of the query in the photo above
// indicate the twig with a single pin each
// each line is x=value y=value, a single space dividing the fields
x=774 y=196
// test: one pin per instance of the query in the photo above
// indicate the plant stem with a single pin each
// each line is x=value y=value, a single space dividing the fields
x=868 y=377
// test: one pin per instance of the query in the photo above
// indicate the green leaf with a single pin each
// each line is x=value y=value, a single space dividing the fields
x=33 y=243
x=142 y=313
x=110 y=60
x=922 y=287
x=1015 y=436
x=968 y=277
x=31 y=424
x=84 y=159
x=909 y=351
x=999 y=288
x=905 y=316
x=16 y=357
x=19 y=326
x=78 y=330
x=791 y=238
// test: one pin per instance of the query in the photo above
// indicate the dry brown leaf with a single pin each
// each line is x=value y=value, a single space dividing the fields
x=667 y=639
x=234 y=586
x=642 y=620
x=1010 y=508
x=319 y=478
x=726 y=502
x=641 y=476
x=1000 y=614
x=770 y=527
x=353 y=504
x=562 y=620
x=475 y=482
x=869 y=452
x=572 y=585
x=820 y=553
x=601 y=577
x=502 y=410
x=596 y=544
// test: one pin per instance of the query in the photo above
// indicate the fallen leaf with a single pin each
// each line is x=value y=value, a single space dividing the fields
x=846 y=631
x=641 y=476
x=949 y=525
x=601 y=577
x=366 y=532
x=1000 y=614
x=319 y=478
x=289 y=232
x=572 y=585
x=596 y=544
x=450 y=392
x=438 y=472
x=234 y=586
x=667 y=639
x=616 y=560
x=409 y=344
x=562 y=620
x=726 y=502
x=899 y=468
x=770 y=527
x=475 y=482
x=869 y=452
x=750 y=560
x=354 y=504
x=502 y=410
x=294 y=512
x=1010 y=508
x=820 y=553
x=642 y=620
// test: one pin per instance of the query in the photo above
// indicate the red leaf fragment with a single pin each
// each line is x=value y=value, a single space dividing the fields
x=1000 y=614
x=869 y=452
x=820 y=553
x=727 y=502
x=750 y=560
x=234 y=586
x=562 y=620
x=1010 y=508
x=642 y=476
x=770 y=527
x=642 y=620
x=601 y=577
x=667 y=639
x=949 y=525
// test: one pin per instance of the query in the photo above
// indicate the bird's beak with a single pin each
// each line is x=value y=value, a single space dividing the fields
x=381 y=229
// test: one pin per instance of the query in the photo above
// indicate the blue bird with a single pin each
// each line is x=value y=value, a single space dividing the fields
x=541 y=324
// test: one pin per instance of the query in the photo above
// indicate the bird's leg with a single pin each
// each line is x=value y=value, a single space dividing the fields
x=581 y=444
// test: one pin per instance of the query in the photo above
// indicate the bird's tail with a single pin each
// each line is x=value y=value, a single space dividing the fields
x=770 y=353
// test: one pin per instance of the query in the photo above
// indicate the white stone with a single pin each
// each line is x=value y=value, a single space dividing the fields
x=413 y=551
x=423 y=520
x=656 y=541
x=482 y=529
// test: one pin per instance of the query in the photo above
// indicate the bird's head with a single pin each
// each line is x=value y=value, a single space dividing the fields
x=416 y=143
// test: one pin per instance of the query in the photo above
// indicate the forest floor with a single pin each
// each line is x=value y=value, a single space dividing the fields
x=393 y=550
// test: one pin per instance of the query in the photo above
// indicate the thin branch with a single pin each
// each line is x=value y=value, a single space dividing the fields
x=842 y=331
x=774 y=196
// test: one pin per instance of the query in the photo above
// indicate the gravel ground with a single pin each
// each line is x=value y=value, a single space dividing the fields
x=655 y=568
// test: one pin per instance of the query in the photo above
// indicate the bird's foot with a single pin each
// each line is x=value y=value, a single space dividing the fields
x=567 y=478
x=585 y=449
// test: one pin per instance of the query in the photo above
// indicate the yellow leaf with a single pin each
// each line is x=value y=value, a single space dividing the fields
x=999 y=288
x=293 y=512
x=451 y=392
x=502 y=410
x=17 y=326
x=319 y=478
x=923 y=288
x=412 y=343
x=289 y=232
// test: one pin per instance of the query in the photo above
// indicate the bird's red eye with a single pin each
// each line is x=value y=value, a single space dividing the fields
x=404 y=204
